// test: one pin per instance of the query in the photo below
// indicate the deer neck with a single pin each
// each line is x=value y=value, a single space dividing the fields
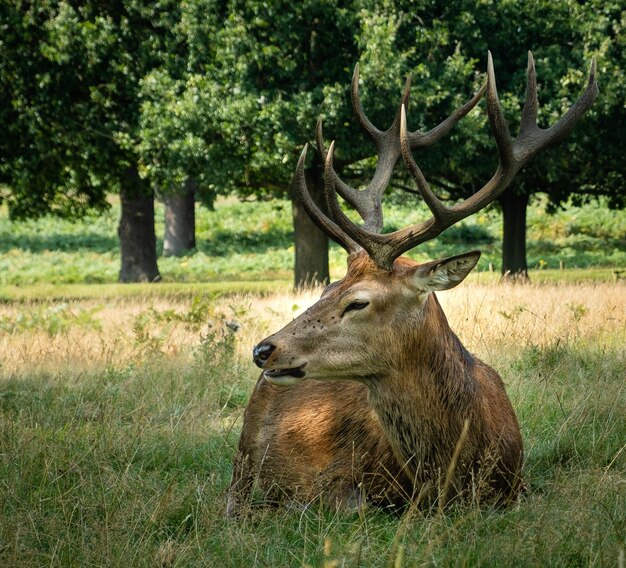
x=424 y=400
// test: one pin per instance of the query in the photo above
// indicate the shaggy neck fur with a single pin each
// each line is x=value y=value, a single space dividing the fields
x=426 y=398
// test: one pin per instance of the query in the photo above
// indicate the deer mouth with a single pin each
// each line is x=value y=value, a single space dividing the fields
x=284 y=376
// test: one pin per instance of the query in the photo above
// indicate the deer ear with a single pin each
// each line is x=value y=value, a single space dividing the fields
x=444 y=273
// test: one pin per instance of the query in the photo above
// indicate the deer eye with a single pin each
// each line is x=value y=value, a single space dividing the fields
x=357 y=305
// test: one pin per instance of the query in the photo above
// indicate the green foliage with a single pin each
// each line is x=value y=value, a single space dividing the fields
x=242 y=241
x=227 y=92
x=265 y=75
x=152 y=331
x=456 y=36
x=198 y=314
x=71 y=74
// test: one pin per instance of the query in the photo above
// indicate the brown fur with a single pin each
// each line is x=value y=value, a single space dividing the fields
x=385 y=416
x=317 y=440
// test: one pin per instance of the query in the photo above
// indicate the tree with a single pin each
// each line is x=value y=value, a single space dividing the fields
x=180 y=221
x=72 y=74
x=181 y=147
x=261 y=84
x=310 y=244
x=564 y=36
x=244 y=115
x=37 y=162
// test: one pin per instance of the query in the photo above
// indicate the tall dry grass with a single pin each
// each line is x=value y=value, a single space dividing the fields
x=492 y=320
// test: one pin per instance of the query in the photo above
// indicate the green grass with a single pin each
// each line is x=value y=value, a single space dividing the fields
x=122 y=456
x=58 y=292
x=46 y=292
x=237 y=242
x=253 y=241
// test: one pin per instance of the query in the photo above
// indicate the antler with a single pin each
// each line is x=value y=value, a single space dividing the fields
x=321 y=220
x=513 y=155
x=368 y=201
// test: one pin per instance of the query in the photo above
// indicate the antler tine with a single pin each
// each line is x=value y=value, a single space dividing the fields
x=423 y=139
x=531 y=104
x=513 y=155
x=532 y=139
x=366 y=239
x=434 y=204
x=321 y=220
x=365 y=122
x=397 y=121
x=499 y=125
x=374 y=133
x=368 y=201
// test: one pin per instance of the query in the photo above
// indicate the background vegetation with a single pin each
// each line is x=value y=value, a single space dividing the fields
x=244 y=241
x=142 y=98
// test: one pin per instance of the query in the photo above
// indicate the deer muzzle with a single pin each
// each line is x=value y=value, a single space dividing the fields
x=261 y=355
x=262 y=352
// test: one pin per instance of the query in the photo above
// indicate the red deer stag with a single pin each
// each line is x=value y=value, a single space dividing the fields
x=389 y=406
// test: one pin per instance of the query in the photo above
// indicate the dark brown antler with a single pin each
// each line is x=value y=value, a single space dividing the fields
x=321 y=220
x=513 y=155
x=368 y=201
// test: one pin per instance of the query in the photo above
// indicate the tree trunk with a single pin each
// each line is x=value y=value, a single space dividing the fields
x=514 y=235
x=136 y=231
x=311 y=244
x=180 y=221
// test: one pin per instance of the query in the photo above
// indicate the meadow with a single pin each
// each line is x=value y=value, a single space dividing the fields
x=120 y=407
x=252 y=242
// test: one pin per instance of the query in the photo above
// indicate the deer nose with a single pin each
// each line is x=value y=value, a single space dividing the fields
x=261 y=353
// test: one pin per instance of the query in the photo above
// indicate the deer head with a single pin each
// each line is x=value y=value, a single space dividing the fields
x=382 y=293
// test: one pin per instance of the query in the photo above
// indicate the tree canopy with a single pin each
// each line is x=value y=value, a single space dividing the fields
x=227 y=92
x=72 y=73
x=251 y=96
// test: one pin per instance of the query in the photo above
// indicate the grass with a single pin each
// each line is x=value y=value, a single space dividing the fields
x=121 y=405
x=59 y=292
x=252 y=242
x=120 y=415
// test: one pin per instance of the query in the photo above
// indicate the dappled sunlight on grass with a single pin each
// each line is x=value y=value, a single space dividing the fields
x=253 y=240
